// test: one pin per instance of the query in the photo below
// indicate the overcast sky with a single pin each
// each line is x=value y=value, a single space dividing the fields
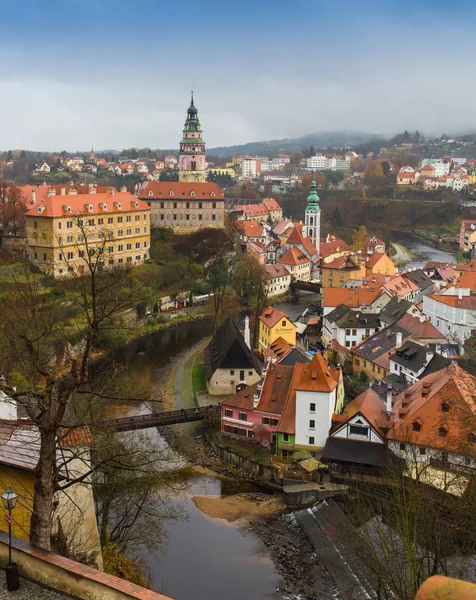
x=77 y=74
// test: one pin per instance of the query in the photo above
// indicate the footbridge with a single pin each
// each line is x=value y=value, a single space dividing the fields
x=162 y=419
x=306 y=286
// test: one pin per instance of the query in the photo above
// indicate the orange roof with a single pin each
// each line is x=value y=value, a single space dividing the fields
x=275 y=388
x=471 y=266
x=288 y=418
x=351 y=298
x=278 y=349
x=297 y=238
x=293 y=256
x=250 y=228
x=467 y=280
x=369 y=405
x=467 y=302
x=423 y=330
x=399 y=286
x=272 y=204
x=270 y=316
x=318 y=376
x=333 y=246
x=373 y=259
x=273 y=271
x=426 y=402
x=406 y=175
x=75 y=436
x=181 y=190
x=58 y=206
x=428 y=168
x=254 y=210
x=343 y=262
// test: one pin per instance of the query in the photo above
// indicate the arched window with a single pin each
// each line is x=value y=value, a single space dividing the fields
x=193 y=165
x=311 y=220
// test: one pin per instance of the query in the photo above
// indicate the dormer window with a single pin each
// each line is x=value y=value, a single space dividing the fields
x=442 y=431
x=171 y=193
x=416 y=425
x=212 y=194
x=192 y=193
x=445 y=407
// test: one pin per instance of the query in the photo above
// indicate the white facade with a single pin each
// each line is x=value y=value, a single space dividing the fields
x=314 y=412
x=317 y=163
x=313 y=226
x=250 y=168
x=278 y=285
x=455 y=322
x=345 y=336
x=441 y=168
x=275 y=164
x=8 y=408
x=358 y=428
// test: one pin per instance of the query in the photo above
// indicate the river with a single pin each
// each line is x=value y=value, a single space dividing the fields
x=202 y=557
x=421 y=251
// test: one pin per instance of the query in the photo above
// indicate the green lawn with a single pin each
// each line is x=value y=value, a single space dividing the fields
x=199 y=382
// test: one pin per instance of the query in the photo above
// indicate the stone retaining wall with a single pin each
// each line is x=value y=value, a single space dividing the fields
x=68 y=576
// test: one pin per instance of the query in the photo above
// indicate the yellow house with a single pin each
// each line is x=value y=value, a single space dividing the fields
x=345 y=268
x=379 y=262
x=274 y=324
x=74 y=512
x=222 y=171
x=63 y=229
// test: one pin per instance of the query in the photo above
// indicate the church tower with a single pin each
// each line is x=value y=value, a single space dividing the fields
x=192 y=148
x=313 y=217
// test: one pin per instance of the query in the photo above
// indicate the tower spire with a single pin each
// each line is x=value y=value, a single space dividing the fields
x=192 y=160
x=313 y=215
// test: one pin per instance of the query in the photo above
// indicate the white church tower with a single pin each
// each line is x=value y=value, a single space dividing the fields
x=313 y=217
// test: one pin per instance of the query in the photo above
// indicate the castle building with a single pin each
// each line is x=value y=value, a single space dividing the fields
x=192 y=166
x=192 y=203
x=313 y=217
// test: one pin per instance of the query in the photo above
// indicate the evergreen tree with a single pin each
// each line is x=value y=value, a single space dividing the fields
x=417 y=137
x=337 y=218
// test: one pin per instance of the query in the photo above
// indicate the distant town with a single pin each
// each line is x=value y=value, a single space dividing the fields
x=324 y=309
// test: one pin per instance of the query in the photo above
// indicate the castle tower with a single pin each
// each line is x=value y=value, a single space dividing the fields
x=192 y=148
x=313 y=217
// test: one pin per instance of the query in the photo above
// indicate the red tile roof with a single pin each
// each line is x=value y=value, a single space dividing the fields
x=318 y=376
x=467 y=302
x=272 y=204
x=352 y=298
x=75 y=436
x=275 y=388
x=254 y=210
x=271 y=315
x=278 y=349
x=57 y=206
x=294 y=257
x=288 y=418
x=181 y=190
x=333 y=246
x=273 y=271
x=251 y=229
x=422 y=403
x=347 y=262
x=373 y=259
x=297 y=238
x=369 y=405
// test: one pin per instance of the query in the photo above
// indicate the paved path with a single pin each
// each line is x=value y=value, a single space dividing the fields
x=29 y=590
x=401 y=255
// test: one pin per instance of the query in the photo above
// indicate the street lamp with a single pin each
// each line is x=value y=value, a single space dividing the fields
x=9 y=499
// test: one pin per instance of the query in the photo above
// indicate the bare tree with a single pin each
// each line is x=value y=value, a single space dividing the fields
x=32 y=328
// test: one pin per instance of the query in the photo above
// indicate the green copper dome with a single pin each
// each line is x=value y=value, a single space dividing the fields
x=313 y=198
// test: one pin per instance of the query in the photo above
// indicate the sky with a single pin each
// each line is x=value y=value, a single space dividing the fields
x=111 y=74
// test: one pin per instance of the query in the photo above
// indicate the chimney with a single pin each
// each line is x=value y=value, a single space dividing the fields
x=123 y=188
x=51 y=192
x=327 y=238
x=389 y=402
x=63 y=191
x=429 y=355
x=460 y=294
x=247 y=332
x=398 y=342
x=33 y=196
x=422 y=318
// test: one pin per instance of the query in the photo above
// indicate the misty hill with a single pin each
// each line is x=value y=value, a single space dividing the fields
x=323 y=139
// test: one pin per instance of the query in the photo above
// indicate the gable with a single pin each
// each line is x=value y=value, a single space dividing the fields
x=236 y=357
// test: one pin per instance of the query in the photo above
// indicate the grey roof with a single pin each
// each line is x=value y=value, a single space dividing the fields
x=354 y=451
x=358 y=319
x=411 y=355
x=396 y=381
x=295 y=356
x=20 y=446
x=380 y=343
x=419 y=278
x=394 y=310
x=437 y=363
x=337 y=313
x=228 y=350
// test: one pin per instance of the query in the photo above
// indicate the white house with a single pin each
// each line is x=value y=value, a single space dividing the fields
x=452 y=312
x=278 y=279
x=43 y=168
x=349 y=327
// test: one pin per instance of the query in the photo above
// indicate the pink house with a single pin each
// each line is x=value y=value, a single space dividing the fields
x=255 y=411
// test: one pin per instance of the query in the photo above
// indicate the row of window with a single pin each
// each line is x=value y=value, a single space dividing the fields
x=188 y=205
x=120 y=261
x=175 y=217
x=100 y=221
